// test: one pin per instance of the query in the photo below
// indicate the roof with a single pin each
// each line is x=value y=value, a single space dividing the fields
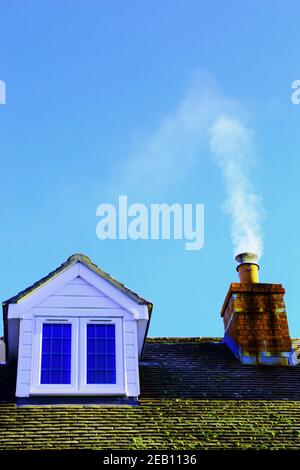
x=73 y=259
x=194 y=395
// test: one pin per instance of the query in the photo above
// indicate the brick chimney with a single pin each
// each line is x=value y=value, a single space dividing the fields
x=255 y=320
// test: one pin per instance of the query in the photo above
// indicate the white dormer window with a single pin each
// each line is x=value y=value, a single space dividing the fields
x=79 y=333
x=103 y=358
x=56 y=353
x=55 y=356
x=100 y=361
x=74 y=355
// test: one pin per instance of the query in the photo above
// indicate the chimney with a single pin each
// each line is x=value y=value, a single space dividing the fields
x=247 y=269
x=255 y=320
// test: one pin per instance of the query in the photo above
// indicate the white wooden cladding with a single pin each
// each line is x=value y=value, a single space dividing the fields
x=25 y=359
x=59 y=301
x=77 y=298
x=78 y=280
x=79 y=290
x=79 y=294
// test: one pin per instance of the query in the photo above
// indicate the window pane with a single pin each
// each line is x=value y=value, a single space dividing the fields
x=66 y=333
x=65 y=376
x=100 y=377
x=56 y=354
x=66 y=362
x=46 y=345
x=101 y=361
x=100 y=346
x=66 y=346
x=55 y=361
x=55 y=376
x=57 y=331
x=110 y=331
x=111 y=377
x=45 y=377
x=91 y=331
x=46 y=361
x=100 y=331
x=90 y=345
x=91 y=361
x=101 y=354
x=47 y=331
x=110 y=361
x=56 y=344
x=110 y=345
x=90 y=377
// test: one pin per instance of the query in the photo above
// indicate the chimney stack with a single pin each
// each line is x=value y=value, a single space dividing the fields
x=255 y=320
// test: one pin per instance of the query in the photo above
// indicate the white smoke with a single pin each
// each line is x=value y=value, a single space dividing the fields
x=203 y=116
x=231 y=145
x=166 y=156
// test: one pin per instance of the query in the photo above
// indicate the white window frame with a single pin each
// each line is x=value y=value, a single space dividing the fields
x=53 y=389
x=102 y=389
x=78 y=385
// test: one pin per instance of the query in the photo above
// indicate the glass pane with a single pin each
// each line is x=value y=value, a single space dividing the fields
x=101 y=354
x=56 y=345
x=66 y=332
x=66 y=362
x=100 y=377
x=100 y=346
x=65 y=377
x=111 y=361
x=66 y=346
x=111 y=377
x=90 y=377
x=55 y=376
x=56 y=354
x=100 y=331
x=45 y=361
x=46 y=345
x=56 y=361
x=45 y=377
x=90 y=346
x=110 y=346
x=47 y=331
x=101 y=361
x=57 y=331
x=110 y=331
x=91 y=331
x=91 y=360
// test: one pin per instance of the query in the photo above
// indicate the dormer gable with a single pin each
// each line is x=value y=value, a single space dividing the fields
x=77 y=331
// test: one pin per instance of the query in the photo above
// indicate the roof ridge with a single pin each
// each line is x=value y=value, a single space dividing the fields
x=183 y=339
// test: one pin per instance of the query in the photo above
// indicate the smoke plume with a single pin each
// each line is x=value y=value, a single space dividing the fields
x=204 y=117
x=232 y=148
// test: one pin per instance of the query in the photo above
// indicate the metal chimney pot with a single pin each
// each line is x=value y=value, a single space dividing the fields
x=248 y=268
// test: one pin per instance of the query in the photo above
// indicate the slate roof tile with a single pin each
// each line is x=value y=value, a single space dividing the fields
x=194 y=395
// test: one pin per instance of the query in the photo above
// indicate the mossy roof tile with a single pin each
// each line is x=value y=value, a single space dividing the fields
x=197 y=396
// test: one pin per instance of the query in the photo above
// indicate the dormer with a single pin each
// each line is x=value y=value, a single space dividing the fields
x=76 y=332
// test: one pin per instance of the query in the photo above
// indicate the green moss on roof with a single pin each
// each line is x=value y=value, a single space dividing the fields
x=194 y=395
x=156 y=424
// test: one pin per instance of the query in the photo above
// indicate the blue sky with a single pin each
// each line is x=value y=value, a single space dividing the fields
x=90 y=85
